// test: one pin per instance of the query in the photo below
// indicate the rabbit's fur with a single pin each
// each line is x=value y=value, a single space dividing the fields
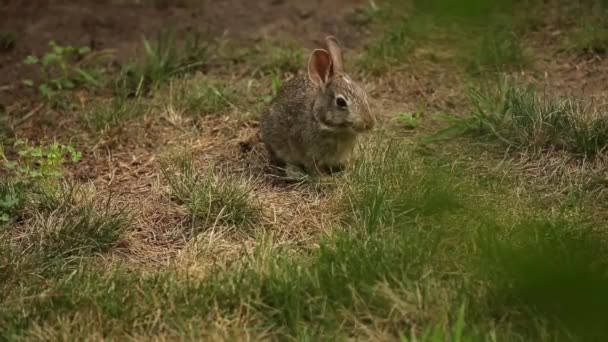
x=315 y=119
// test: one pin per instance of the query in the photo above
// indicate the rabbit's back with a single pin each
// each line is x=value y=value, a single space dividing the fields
x=285 y=123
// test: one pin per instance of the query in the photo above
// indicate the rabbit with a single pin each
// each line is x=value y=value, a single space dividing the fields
x=315 y=119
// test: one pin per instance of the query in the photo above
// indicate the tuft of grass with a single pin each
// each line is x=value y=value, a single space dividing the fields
x=101 y=115
x=385 y=195
x=212 y=197
x=198 y=97
x=524 y=120
x=69 y=232
x=164 y=59
x=410 y=120
x=63 y=228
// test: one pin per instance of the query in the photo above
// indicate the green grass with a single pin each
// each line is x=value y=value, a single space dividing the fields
x=164 y=59
x=390 y=51
x=483 y=36
x=497 y=50
x=212 y=197
x=64 y=69
x=524 y=119
x=420 y=254
x=103 y=115
x=65 y=228
x=37 y=168
x=198 y=97
x=270 y=59
x=417 y=248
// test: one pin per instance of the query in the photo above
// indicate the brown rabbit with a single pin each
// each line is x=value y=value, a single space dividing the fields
x=314 y=120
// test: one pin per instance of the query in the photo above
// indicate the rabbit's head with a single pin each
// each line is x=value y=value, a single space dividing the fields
x=340 y=104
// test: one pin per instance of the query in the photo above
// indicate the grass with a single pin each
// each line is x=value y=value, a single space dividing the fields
x=103 y=115
x=496 y=51
x=276 y=59
x=415 y=243
x=523 y=119
x=197 y=97
x=591 y=36
x=391 y=50
x=36 y=169
x=163 y=60
x=64 y=70
x=416 y=247
x=483 y=36
x=212 y=198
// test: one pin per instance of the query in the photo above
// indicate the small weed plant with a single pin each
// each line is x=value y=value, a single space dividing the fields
x=37 y=168
x=163 y=59
x=62 y=71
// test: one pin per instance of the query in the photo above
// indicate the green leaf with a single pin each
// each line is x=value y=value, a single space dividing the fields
x=49 y=58
x=87 y=76
x=9 y=202
x=84 y=50
x=411 y=120
x=36 y=152
x=148 y=48
x=4 y=217
x=76 y=156
x=45 y=90
x=10 y=164
x=30 y=60
x=68 y=84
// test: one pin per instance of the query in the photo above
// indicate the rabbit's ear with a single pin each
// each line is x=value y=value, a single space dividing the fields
x=335 y=52
x=320 y=67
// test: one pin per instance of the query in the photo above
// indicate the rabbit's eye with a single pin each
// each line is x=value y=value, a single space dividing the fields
x=341 y=103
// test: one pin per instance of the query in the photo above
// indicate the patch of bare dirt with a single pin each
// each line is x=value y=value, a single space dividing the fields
x=121 y=25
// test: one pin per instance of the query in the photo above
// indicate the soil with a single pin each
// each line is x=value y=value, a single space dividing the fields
x=122 y=24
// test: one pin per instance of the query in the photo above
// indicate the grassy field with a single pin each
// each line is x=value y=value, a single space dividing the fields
x=135 y=201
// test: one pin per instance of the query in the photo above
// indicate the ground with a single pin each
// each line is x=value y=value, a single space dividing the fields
x=138 y=202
